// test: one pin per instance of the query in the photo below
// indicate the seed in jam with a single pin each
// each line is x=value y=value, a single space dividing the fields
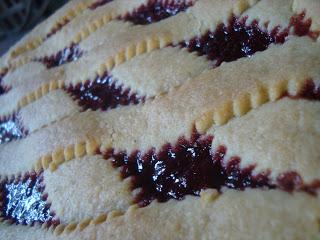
x=238 y=39
x=22 y=201
x=11 y=129
x=69 y=54
x=191 y=166
x=156 y=10
x=99 y=3
x=103 y=93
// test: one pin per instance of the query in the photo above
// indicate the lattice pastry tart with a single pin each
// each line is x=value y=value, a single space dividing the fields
x=149 y=119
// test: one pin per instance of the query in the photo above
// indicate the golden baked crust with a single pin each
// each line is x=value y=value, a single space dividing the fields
x=258 y=114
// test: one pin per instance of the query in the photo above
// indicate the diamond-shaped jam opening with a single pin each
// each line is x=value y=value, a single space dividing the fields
x=68 y=54
x=103 y=93
x=190 y=166
x=156 y=10
x=239 y=39
x=11 y=129
x=23 y=202
x=184 y=169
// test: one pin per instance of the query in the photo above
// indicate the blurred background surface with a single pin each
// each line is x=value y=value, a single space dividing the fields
x=17 y=17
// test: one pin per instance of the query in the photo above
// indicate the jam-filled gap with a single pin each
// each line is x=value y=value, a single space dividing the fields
x=69 y=54
x=153 y=11
x=309 y=91
x=11 y=128
x=23 y=201
x=98 y=3
x=176 y=170
x=240 y=39
x=57 y=28
x=190 y=166
x=66 y=54
x=156 y=10
x=103 y=93
x=65 y=21
x=3 y=89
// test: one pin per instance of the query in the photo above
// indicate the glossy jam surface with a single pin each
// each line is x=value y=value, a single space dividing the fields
x=239 y=39
x=103 y=93
x=228 y=43
x=23 y=201
x=67 y=55
x=156 y=10
x=99 y=3
x=190 y=166
x=183 y=169
x=11 y=129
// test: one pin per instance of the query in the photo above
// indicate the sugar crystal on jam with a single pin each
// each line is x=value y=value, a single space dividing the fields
x=11 y=129
x=190 y=166
x=23 y=202
x=184 y=169
x=68 y=54
x=239 y=39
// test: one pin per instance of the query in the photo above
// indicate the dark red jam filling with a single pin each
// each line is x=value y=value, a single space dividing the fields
x=238 y=39
x=11 y=129
x=69 y=54
x=190 y=166
x=23 y=202
x=3 y=89
x=310 y=91
x=301 y=26
x=184 y=169
x=292 y=181
x=103 y=93
x=156 y=10
x=57 y=28
x=99 y=3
